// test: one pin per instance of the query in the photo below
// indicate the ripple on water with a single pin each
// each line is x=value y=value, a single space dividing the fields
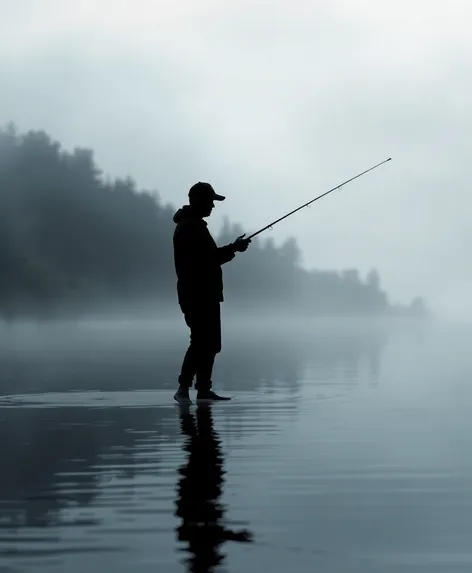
x=330 y=474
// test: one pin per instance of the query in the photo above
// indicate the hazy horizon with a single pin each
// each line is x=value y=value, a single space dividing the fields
x=273 y=108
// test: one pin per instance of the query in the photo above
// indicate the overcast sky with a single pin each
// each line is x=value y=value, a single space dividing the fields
x=273 y=103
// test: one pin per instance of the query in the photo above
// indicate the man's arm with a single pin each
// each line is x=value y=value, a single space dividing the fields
x=225 y=254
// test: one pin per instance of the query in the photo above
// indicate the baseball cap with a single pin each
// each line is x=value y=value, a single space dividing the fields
x=202 y=190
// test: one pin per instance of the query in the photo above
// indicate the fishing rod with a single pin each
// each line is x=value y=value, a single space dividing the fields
x=316 y=198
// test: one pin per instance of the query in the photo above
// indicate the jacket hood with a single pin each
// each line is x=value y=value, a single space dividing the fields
x=185 y=212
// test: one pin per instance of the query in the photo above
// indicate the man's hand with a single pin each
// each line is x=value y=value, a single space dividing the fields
x=240 y=244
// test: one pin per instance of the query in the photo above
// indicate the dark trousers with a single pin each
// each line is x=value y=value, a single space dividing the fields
x=204 y=322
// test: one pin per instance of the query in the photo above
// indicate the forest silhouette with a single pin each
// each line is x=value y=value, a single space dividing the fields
x=73 y=241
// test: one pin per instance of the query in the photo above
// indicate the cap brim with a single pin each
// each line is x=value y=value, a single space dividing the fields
x=217 y=197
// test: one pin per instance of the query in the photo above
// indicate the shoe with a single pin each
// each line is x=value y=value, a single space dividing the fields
x=210 y=395
x=182 y=396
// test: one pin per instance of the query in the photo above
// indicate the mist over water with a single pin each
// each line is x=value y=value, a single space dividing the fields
x=132 y=354
x=343 y=449
x=346 y=445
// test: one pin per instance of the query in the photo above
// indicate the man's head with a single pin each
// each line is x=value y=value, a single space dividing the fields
x=202 y=196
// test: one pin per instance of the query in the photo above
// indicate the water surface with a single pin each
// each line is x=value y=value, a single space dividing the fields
x=345 y=448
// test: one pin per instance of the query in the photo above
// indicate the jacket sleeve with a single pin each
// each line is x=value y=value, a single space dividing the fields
x=225 y=254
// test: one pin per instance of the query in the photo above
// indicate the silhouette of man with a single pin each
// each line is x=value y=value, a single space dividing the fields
x=200 y=289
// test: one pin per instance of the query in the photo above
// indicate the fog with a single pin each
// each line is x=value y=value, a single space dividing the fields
x=75 y=243
x=116 y=355
x=272 y=107
x=353 y=430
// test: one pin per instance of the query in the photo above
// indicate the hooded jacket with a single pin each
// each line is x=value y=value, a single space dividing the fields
x=197 y=260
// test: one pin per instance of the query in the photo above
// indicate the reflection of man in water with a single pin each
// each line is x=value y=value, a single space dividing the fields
x=199 y=488
x=200 y=288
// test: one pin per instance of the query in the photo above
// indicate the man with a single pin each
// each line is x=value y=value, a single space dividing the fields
x=200 y=289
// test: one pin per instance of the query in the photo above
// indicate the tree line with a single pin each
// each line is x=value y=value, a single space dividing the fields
x=73 y=240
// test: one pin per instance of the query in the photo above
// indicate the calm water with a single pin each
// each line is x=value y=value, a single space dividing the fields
x=346 y=448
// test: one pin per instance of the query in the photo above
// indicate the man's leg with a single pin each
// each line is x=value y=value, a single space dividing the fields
x=204 y=322
x=204 y=371
x=210 y=347
x=190 y=362
x=189 y=368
